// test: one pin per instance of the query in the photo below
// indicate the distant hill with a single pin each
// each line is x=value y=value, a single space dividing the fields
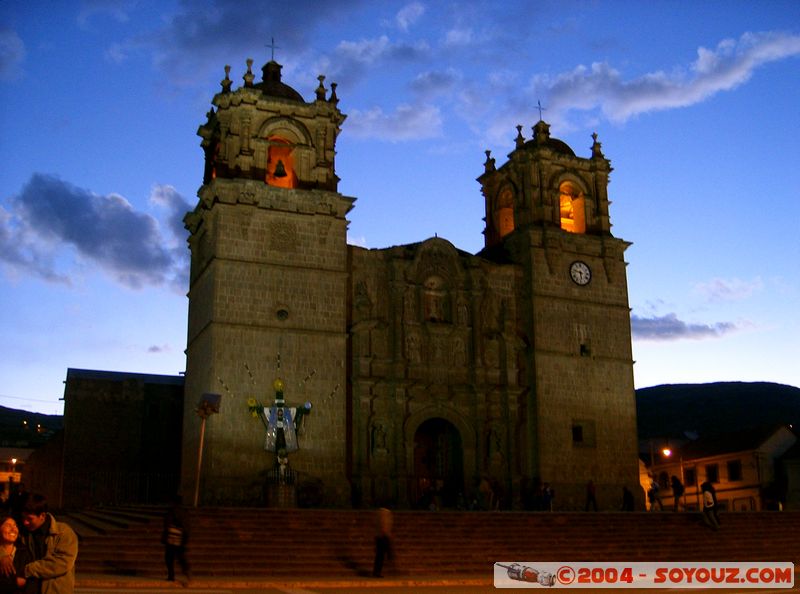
x=21 y=428
x=714 y=409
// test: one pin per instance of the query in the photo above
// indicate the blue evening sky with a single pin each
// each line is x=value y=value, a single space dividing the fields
x=697 y=105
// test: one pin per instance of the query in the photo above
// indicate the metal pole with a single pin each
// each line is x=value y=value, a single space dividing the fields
x=199 y=461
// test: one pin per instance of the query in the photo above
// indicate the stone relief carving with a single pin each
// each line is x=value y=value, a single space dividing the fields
x=413 y=353
x=282 y=236
x=490 y=312
x=410 y=305
x=362 y=300
x=462 y=311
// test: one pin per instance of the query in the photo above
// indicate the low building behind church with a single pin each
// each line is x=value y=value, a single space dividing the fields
x=120 y=443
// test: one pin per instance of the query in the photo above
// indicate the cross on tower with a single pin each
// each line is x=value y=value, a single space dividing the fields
x=273 y=47
x=541 y=109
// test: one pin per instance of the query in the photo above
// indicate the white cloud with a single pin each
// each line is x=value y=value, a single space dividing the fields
x=365 y=51
x=718 y=289
x=117 y=53
x=408 y=122
x=360 y=241
x=602 y=87
x=12 y=54
x=458 y=37
x=117 y=9
x=668 y=327
x=435 y=82
x=408 y=15
x=50 y=217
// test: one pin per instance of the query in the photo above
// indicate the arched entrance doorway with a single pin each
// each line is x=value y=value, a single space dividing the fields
x=438 y=464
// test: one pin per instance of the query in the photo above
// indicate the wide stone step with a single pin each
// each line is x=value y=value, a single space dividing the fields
x=322 y=543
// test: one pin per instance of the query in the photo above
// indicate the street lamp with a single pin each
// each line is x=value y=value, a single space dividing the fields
x=209 y=404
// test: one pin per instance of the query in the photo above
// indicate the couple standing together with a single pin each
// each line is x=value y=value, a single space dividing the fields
x=37 y=557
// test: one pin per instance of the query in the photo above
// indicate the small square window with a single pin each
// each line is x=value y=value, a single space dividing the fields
x=735 y=470
x=690 y=477
x=712 y=473
x=583 y=433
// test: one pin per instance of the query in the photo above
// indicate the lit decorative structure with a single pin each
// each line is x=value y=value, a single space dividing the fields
x=280 y=421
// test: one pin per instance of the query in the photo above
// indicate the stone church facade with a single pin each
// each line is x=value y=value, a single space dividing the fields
x=430 y=370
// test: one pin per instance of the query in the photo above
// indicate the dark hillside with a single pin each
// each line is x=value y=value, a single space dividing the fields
x=712 y=409
x=21 y=428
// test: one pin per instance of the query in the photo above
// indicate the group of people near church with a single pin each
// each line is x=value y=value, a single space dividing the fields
x=37 y=552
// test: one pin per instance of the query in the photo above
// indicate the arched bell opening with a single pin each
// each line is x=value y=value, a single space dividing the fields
x=504 y=213
x=572 y=205
x=280 y=163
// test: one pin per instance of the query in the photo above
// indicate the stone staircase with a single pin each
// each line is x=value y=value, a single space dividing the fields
x=258 y=543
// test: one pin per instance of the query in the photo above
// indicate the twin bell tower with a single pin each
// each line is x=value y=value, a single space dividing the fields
x=434 y=374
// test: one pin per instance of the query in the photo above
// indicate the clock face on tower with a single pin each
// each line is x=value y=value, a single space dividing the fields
x=580 y=273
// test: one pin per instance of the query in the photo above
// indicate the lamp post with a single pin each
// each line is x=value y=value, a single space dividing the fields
x=209 y=404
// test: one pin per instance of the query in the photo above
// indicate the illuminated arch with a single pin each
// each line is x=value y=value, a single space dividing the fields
x=572 y=207
x=504 y=212
x=283 y=135
x=280 y=163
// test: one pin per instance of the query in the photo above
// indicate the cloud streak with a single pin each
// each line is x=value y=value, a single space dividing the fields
x=199 y=35
x=12 y=53
x=196 y=40
x=718 y=289
x=668 y=328
x=407 y=122
x=602 y=87
x=49 y=215
x=408 y=15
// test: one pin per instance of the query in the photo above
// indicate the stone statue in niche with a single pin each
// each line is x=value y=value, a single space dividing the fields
x=379 y=439
x=435 y=300
x=362 y=301
x=494 y=444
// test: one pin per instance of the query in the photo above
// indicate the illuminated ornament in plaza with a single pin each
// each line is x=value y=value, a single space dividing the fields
x=280 y=421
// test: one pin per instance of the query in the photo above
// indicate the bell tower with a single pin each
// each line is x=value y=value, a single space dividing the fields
x=547 y=211
x=267 y=296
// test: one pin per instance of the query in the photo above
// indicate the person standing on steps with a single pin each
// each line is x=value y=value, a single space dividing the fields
x=654 y=496
x=548 y=496
x=383 y=541
x=677 y=492
x=175 y=538
x=710 y=516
